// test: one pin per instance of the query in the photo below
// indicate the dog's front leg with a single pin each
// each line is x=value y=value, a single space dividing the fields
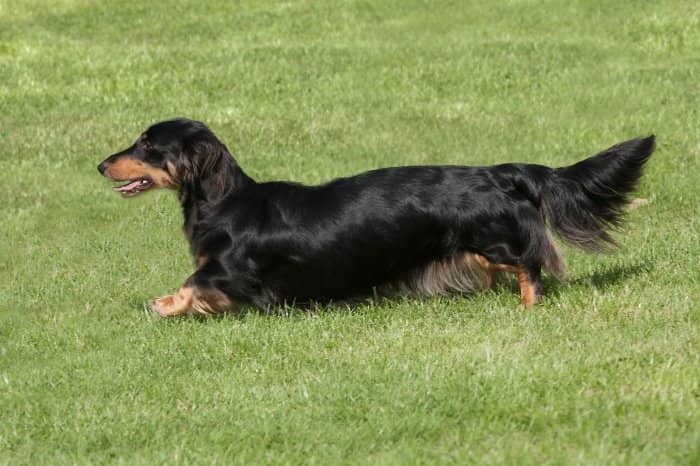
x=191 y=298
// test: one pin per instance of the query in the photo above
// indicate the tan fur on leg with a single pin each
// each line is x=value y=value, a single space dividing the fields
x=192 y=300
x=488 y=268
x=528 y=294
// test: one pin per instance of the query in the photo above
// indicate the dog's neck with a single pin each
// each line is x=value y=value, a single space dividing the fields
x=199 y=197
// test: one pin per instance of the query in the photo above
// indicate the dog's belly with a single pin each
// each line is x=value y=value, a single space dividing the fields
x=427 y=264
x=460 y=273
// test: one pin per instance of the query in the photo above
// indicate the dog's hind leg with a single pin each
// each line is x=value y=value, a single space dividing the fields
x=489 y=269
x=544 y=254
x=530 y=285
x=529 y=278
x=523 y=251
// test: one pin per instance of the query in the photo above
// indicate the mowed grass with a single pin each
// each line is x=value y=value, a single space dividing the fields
x=605 y=371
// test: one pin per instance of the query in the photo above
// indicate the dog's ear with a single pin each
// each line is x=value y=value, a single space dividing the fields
x=206 y=166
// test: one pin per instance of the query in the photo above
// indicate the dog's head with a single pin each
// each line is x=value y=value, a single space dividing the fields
x=178 y=154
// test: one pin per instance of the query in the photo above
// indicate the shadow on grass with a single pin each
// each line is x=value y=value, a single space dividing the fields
x=599 y=280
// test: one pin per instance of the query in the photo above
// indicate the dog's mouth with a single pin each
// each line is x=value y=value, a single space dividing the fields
x=134 y=187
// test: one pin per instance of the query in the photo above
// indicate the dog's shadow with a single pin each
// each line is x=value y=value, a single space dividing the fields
x=599 y=280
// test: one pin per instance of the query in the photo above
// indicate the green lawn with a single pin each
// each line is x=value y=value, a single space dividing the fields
x=605 y=371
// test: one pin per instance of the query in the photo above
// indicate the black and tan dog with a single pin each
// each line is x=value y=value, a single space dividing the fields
x=405 y=230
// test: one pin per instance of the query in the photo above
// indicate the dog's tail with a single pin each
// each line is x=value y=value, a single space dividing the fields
x=583 y=201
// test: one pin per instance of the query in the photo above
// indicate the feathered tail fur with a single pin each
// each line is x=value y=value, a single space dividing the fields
x=583 y=201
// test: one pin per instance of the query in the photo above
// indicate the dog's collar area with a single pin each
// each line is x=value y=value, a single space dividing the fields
x=134 y=187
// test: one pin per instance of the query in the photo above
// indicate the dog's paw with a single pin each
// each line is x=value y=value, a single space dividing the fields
x=161 y=306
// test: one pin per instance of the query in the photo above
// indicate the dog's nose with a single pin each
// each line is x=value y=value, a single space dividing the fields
x=101 y=168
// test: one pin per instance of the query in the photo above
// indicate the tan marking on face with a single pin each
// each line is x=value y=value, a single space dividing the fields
x=128 y=168
x=192 y=300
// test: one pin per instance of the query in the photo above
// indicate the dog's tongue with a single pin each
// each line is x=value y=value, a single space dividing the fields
x=130 y=186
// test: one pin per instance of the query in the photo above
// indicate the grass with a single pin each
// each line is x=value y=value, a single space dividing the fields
x=605 y=371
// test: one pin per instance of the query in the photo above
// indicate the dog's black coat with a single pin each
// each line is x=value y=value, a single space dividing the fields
x=276 y=242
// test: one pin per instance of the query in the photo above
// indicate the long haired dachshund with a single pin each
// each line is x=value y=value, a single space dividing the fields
x=419 y=231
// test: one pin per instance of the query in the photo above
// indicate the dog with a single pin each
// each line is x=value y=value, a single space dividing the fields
x=414 y=230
